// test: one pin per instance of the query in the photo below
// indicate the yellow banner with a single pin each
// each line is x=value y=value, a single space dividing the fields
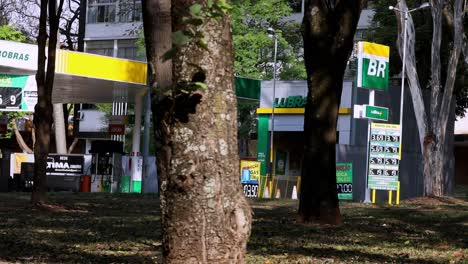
x=376 y=49
x=19 y=158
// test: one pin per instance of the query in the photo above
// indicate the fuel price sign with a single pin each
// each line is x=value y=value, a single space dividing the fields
x=10 y=97
x=384 y=156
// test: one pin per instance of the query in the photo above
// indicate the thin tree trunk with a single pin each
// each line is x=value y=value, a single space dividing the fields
x=73 y=145
x=43 y=110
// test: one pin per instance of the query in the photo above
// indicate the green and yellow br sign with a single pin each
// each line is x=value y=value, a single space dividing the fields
x=373 y=66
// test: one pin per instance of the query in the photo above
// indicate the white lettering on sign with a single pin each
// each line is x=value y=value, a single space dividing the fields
x=376 y=68
x=58 y=165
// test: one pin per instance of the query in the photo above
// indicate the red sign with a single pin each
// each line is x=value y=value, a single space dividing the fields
x=116 y=129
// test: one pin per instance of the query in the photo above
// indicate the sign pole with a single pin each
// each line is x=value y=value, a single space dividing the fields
x=369 y=122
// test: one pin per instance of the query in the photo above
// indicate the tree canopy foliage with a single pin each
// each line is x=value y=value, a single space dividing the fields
x=254 y=48
x=384 y=31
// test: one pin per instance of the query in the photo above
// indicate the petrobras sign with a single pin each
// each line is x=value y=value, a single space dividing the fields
x=17 y=92
x=373 y=66
x=18 y=55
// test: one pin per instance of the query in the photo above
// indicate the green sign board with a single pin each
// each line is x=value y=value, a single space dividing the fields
x=344 y=180
x=375 y=74
x=291 y=102
x=376 y=112
x=373 y=66
x=384 y=157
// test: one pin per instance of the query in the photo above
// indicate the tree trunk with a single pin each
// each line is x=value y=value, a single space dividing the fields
x=43 y=110
x=433 y=166
x=318 y=198
x=432 y=123
x=328 y=32
x=205 y=216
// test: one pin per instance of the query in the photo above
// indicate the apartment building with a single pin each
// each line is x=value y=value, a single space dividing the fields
x=112 y=28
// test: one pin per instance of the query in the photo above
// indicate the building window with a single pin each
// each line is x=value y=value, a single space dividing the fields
x=127 y=49
x=101 y=11
x=130 y=11
x=100 y=47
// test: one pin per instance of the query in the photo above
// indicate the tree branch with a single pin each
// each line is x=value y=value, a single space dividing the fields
x=411 y=73
x=452 y=66
x=435 y=82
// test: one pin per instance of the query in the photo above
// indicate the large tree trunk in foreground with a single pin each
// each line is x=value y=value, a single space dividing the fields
x=43 y=109
x=205 y=216
x=328 y=32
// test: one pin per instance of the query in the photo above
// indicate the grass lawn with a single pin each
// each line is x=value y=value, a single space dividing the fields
x=125 y=228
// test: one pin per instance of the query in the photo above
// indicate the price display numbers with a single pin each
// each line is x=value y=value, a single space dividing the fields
x=344 y=187
x=10 y=97
x=250 y=190
x=384 y=161
x=376 y=137
x=383 y=172
x=384 y=149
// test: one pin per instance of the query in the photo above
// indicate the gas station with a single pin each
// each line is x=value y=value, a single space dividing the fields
x=80 y=78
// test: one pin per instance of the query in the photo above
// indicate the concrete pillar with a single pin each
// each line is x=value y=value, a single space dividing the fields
x=137 y=159
x=59 y=124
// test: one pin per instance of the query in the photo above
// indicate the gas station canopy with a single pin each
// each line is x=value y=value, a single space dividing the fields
x=79 y=78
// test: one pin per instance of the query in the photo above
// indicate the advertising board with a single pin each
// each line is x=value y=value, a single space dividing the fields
x=250 y=177
x=344 y=180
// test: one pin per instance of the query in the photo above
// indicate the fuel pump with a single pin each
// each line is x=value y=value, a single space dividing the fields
x=106 y=165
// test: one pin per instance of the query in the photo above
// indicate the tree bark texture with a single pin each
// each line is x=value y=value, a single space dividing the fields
x=432 y=122
x=328 y=32
x=43 y=110
x=205 y=217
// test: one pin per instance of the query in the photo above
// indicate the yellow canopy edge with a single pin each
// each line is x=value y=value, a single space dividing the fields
x=295 y=111
x=101 y=67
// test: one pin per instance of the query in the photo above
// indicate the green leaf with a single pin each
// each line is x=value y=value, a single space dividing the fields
x=195 y=9
x=169 y=54
x=193 y=21
x=209 y=3
x=201 y=85
x=202 y=44
x=179 y=38
x=224 y=6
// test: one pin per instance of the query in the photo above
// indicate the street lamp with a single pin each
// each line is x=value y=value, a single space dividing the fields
x=406 y=15
x=272 y=33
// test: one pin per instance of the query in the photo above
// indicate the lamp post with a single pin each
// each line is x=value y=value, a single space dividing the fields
x=272 y=33
x=406 y=15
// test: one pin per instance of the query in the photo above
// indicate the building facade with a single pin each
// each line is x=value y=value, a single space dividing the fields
x=112 y=28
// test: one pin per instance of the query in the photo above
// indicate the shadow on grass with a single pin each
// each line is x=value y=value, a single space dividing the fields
x=91 y=229
x=374 y=234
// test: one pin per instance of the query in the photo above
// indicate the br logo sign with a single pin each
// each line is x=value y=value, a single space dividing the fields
x=373 y=67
